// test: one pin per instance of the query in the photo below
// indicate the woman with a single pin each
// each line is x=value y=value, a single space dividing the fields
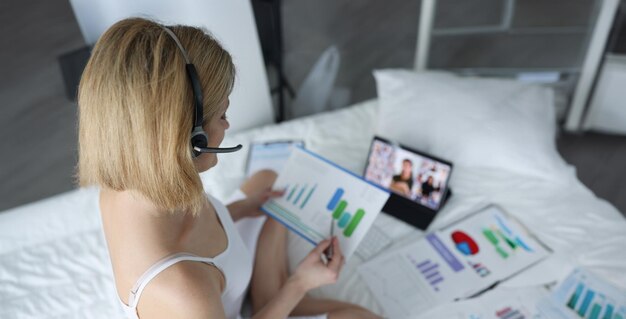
x=174 y=249
x=403 y=182
x=427 y=191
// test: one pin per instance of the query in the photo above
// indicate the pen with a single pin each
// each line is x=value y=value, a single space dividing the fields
x=329 y=251
x=482 y=291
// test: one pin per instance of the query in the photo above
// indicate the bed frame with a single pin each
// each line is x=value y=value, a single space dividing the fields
x=586 y=74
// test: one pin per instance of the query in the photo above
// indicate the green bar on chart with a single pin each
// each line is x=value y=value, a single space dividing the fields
x=609 y=312
x=575 y=296
x=501 y=252
x=295 y=201
x=595 y=311
x=293 y=190
x=355 y=222
x=306 y=199
x=339 y=209
x=490 y=236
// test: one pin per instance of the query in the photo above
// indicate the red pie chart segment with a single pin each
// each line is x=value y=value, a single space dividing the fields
x=464 y=243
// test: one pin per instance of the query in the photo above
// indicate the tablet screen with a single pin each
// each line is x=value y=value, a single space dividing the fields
x=414 y=175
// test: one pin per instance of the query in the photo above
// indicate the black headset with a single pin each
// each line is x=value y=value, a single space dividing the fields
x=199 y=138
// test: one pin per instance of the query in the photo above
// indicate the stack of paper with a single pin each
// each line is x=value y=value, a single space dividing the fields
x=453 y=263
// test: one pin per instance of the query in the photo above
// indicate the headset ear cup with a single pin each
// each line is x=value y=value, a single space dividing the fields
x=199 y=138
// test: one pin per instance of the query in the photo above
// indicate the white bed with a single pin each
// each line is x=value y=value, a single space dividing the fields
x=54 y=264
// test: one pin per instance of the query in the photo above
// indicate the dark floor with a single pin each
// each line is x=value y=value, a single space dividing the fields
x=600 y=162
x=37 y=122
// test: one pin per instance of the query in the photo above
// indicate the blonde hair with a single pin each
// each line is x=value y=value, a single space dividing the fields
x=136 y=111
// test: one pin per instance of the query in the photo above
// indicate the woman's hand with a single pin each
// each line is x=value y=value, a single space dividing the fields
x=254 y=202
x=313 y=272
x=251 y=205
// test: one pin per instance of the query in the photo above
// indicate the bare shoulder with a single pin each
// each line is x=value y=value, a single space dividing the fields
x=184 y=290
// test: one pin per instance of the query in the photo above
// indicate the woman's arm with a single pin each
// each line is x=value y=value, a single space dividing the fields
x=237 y=209
x=250 y=206
x=311 y=273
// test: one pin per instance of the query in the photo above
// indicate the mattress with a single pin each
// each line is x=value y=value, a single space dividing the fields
x=54 y=262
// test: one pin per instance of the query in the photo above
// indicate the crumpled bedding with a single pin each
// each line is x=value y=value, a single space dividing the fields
x=54 y=262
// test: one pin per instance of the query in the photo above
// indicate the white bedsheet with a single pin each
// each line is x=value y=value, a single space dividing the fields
x=54 y=263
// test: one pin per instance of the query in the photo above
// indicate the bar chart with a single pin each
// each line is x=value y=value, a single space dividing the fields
x=430 y=271
x=504 y=240
x=480 y=269
x=318 y=194
x=590 y=304
x=346 y=221
x=509 y=313
x=299 y=195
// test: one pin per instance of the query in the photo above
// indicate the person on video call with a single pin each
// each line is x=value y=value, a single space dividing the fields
x=403 y=182
x=175 y=250
x=428 y=188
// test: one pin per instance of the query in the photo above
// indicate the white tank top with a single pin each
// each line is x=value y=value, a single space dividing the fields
x=235 y=262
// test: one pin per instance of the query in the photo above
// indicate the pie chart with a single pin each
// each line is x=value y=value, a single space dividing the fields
x=464 y=243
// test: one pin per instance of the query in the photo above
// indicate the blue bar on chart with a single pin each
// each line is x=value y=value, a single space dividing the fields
x=430 y=271
x=609 y=312
x=586 y=302
x=335 y=199
x=344 y=219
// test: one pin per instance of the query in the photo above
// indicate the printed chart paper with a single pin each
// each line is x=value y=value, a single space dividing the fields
x=492 y=244
x=581 y=295
x=453 y=263
x=518 y=303
x=318 y=194
x=584 y=295
x=269 y=155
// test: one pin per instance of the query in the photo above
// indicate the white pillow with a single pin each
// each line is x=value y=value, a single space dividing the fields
x=473 y=122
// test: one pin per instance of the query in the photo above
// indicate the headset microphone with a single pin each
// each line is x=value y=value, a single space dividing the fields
x=217 y=149
x=199 y=138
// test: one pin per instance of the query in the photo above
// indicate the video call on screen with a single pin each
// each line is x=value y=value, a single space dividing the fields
x=411 y=175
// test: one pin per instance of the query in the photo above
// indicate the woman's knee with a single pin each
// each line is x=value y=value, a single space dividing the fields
x=273 y=228
x=261 y=180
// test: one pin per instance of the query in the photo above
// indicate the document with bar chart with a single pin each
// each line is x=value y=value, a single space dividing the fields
x=318 y=194
x=455 y=262
x=417 y=277
x=584 y=295
x=515 y=303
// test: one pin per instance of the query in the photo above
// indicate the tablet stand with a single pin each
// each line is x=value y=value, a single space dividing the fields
x=411 y=212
